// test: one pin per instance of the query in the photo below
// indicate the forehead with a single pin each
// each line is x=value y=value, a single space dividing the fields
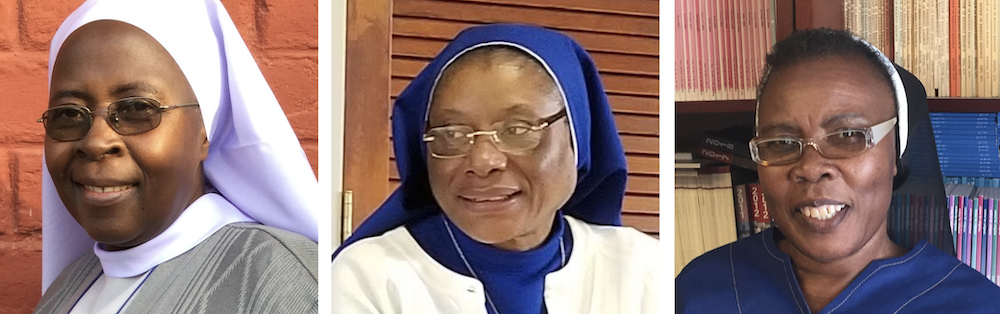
x=812 y=93
x=497 y=82
x=112 y=52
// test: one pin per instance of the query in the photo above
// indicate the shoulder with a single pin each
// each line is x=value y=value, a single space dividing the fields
x=381 y=274
x=376 y=257
x=72 y=278
x=615 y=241
x=268 y=244
x=956 y=281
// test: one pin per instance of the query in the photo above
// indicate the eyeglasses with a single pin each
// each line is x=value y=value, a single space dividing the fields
x=840 y=144
x=126 y=116
x=514 y=137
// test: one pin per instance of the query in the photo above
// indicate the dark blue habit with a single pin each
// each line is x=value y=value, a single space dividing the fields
x=514 y=279
x=753 y=276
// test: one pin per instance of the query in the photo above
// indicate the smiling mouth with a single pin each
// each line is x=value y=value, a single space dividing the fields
x=107 y=189
x=487 y=199
x=822 y=212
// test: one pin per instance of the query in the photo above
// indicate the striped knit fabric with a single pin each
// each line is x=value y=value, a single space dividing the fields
x=242 y=268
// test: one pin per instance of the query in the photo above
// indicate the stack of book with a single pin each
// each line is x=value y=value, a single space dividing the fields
x=950 y=45
x=967 y=144
x=715 y=204
x=974 y=216
x=720 y=47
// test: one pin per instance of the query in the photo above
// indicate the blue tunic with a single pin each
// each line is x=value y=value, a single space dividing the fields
x=753 y=276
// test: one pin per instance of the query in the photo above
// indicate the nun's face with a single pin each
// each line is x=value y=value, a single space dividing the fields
x=124 y=189
x=503 y=199
x=809 y=100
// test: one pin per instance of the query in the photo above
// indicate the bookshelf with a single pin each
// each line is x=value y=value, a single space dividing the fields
x=693 y=118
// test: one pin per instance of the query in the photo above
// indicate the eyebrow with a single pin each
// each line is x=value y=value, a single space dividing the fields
x=71 y=94
x=137 y=85
x=835 y=120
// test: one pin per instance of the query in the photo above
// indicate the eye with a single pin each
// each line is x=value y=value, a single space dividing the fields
x=516 y=129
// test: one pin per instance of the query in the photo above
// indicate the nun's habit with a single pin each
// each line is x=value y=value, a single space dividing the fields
x=248 y=245
x=753 y=275
x=402 y=259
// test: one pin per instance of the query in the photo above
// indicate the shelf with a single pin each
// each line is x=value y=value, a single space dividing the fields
x=710 y=106
x=749 y=105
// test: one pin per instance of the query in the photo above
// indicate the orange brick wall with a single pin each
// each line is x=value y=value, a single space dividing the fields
x=282 y=35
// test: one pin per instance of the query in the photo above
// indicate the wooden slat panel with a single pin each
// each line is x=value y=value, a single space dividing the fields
x=644 y=223
x=426 y=49
x=642 y=164
x=640 y=204
x=636 y=124
x=625 y=7
x=613 y=83
x=582 y=21
x=647 y=185
x=641 y=144
x=634 y=104
x=446 y=30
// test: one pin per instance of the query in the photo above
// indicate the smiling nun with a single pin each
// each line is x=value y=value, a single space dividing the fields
x=832 y=124
x=172 y=180
x=512 y=183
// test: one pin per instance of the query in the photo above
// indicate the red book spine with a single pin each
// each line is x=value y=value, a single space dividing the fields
x=761 y=217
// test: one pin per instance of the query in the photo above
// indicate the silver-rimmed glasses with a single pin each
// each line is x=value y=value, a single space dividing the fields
x=844 y=143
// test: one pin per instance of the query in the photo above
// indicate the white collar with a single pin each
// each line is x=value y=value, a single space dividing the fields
x=204 y=217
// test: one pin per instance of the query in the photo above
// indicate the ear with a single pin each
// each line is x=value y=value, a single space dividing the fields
x=203 y=149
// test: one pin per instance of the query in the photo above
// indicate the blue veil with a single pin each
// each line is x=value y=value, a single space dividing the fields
x=601 y=169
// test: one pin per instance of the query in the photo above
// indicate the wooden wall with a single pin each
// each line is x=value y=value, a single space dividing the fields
x=621 y=36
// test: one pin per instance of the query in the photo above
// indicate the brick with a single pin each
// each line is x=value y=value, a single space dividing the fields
x=21 y=283
x=8 y=223
x=289 y=24
x=29 y=190
x=8 y=25
x=40 y=19
x=24 y=80
x=295 y=83
x=244 y=15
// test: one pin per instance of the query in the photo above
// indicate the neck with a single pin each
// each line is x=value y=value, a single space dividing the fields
x=822 y=281
x=529 y=240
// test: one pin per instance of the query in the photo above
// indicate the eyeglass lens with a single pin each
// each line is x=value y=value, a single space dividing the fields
x=127 y=116
x=458 y=140
x=840 y=144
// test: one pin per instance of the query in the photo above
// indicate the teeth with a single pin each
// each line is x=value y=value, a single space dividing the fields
x=490 y=199
x=822 y=212
x=107 y=189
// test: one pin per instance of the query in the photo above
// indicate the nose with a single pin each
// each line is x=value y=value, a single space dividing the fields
x=484 y=158
x=101 y=140
x=812 y=166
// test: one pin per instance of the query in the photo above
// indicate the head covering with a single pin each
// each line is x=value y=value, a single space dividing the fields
x=600 y=159
x=254 y=161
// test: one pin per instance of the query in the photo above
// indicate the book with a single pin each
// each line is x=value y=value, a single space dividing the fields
x=742 y=209
x=728 y=158
x=734 y=140
x=761 y=216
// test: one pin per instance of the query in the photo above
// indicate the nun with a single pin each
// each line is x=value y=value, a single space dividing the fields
x=172 y=180
x=512 y=183
x=834 y=127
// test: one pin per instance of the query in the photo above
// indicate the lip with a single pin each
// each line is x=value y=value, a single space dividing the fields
x=821 y=226
x=489 y=200
x=100 y=193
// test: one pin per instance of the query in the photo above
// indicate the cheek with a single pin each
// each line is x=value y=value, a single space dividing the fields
x=57 y=156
